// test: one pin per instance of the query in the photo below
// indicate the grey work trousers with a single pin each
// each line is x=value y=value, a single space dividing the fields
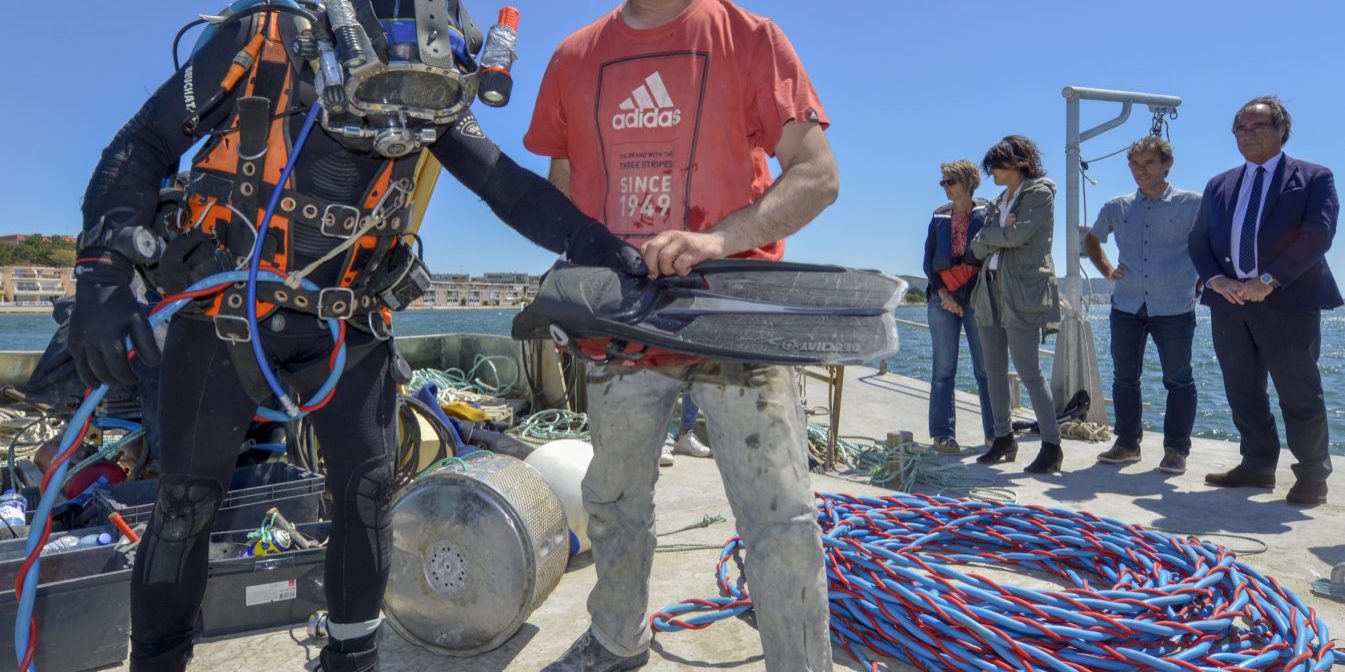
x=760 y=446
x=997 y=345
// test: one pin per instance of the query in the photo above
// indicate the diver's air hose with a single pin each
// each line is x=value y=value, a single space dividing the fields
x=26 y=586
x=291 y=409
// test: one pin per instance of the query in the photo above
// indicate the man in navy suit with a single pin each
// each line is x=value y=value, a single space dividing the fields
x=1259 y=244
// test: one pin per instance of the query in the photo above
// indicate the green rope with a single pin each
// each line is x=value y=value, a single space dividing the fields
x=553 y=424
x=705 y=521
x=436 y=466
x=264 y=532
x=472 y=380
x=106 y=451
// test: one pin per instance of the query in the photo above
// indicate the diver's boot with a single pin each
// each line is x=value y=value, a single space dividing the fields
x=349 y=655
x=1048 y=460
x=1004 y=449
x=151 y=658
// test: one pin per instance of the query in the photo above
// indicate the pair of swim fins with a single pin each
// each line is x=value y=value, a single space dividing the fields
x=766 y=312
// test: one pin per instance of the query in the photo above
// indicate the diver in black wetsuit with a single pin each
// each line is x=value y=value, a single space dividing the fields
x=355 y=170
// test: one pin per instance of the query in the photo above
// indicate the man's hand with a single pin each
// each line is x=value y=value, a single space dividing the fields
x=948 y=304
x=1228 y=288
x=675 y=252
x=1117 y=273
x=1010 y=220
x=1254 y=291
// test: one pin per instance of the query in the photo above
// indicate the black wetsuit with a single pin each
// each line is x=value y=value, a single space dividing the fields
x=204 y=410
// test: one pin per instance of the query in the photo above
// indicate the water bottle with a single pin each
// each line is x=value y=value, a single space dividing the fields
x=60 y=545
x=494 y=83
x=13 y=506
x=92 y=540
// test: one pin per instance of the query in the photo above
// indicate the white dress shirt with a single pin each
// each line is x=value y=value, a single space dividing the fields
x=1240 y=212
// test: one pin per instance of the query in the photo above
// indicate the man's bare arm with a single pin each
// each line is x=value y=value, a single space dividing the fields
x=808 y=183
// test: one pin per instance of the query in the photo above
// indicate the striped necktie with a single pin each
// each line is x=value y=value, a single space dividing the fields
x=1247 y=242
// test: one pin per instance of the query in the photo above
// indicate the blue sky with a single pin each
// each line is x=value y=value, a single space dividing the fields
x=907 y=85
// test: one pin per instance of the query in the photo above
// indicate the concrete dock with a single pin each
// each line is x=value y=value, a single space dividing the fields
x=1301 y=544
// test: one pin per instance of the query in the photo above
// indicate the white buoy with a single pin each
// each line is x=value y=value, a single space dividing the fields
x=563 y=464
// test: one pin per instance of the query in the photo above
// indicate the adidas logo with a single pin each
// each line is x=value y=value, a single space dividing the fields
x=648 y=106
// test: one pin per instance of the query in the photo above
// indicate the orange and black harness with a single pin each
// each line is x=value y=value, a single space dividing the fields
x=235 y=175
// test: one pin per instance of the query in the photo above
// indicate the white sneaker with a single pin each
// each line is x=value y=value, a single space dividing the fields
x=688 y=444
x=665 y=458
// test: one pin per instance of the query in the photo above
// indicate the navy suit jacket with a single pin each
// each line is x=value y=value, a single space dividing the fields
x=1298 y=222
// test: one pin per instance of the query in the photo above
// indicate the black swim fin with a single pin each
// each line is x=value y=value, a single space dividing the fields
x=737 y=310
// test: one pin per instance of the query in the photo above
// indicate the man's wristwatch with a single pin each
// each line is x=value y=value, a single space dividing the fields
x=1268 y=279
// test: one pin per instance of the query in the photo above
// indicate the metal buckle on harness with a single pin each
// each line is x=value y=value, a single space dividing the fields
x=336 y=303
x=339 y=220
x=380 y=329
x=232 y=329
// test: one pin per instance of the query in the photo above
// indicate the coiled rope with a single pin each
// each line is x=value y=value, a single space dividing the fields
x=552 y=424
x=1137 y=599
x=484 y=378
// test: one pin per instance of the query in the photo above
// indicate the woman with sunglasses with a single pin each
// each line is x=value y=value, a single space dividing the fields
x=952 y=271
x=1017 y=294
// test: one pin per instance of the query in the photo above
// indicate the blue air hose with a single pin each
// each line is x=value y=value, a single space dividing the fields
x=28 y=598
x=291 y=409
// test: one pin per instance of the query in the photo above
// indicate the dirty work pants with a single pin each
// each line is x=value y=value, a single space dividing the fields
x=756 y=426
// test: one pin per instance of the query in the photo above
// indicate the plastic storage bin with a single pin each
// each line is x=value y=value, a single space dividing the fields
x=296 y=492
x=249 y=595
x=83 y=608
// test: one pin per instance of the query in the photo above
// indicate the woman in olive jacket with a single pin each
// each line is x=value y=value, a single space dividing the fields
x=1017 y=296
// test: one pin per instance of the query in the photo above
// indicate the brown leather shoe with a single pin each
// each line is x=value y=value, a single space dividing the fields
x=1242 y=477
x=1307 y=493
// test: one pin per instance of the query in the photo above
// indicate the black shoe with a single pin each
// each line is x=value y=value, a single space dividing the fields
x=1004 y=449
x=587 y=655
x=1242 y=477
x=1048 y=460
x=1307 y=493
x=1119 y=454
x=1173 y=462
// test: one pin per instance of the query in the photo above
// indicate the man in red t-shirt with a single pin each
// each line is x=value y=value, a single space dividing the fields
x=660 y=118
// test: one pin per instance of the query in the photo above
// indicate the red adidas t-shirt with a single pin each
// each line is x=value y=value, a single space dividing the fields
x=670 y=128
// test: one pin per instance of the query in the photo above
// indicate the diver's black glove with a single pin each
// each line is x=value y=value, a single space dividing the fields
x=105 y=312
x=596 y=246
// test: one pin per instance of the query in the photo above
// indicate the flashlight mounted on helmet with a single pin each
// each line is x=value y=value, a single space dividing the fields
x=428 y=78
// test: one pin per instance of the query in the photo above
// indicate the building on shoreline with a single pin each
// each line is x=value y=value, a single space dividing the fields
x=38 y=285
x=35 y=285
x=449 y=290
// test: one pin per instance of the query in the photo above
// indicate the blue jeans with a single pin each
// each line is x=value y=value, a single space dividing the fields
x=944 y=333
x=689 y=412
x=1172 y=335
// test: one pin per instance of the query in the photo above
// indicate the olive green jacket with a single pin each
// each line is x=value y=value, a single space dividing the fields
x=1026 y=293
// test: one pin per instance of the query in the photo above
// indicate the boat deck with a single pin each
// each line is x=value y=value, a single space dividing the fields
x=1301 y=544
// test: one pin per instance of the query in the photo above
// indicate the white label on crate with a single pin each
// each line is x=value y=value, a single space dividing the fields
x=271 y=592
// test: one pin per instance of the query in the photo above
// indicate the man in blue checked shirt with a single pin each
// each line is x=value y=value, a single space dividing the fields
x=1155 y=296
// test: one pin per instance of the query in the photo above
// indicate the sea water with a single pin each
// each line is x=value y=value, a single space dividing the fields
x=1213 y=419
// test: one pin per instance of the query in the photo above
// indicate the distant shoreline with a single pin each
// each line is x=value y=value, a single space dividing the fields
x=46 y=310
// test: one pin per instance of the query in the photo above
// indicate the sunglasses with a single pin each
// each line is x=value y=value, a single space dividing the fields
x=948 y=182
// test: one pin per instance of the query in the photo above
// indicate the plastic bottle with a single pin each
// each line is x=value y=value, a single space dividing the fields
x=91 y=540
x=13 y=506
x=60 y=545
x=494 y=83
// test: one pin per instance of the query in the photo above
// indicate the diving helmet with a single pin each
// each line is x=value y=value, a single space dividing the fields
x=396 y=70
